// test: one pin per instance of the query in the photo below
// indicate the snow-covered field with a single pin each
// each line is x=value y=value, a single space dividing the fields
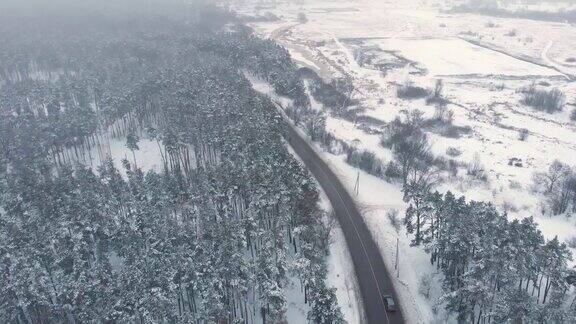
x=483 y=62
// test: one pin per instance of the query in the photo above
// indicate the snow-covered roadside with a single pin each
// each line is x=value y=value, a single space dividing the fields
x=375 y=199
x=341 y=274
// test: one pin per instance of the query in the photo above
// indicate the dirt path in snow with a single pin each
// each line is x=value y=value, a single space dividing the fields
x=545 y=62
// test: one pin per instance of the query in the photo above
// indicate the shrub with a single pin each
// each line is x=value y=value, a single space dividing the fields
x=394 y=219
x=559 y=187
x=573 y=115
x=410 y=91
x=453 y=131
x=425 y=285
x=549 y=101
x=499 y=87
x=441 y=124
x=476 y=169
x=571 y=60
x=544 y=83
x=335 y=95
x=399 y=130
x=512 y=33
x=302 y=17
x=515 y=185
x=442 y=113
x=509 y=207
x=571 y=242
x=453 y=152
x=315 y=125
x=332 y=144
x=436 y=96
x=490 y=24
x=523 y=134
x=365 y=160
x=452 y=168
x=392 y=171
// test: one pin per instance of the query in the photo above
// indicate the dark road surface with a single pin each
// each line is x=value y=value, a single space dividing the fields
x=373 y=279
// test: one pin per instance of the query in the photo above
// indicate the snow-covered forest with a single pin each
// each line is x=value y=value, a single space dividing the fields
x=213 y=234
x=145 y=177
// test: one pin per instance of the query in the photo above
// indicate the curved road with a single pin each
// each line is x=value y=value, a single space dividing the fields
x=373 y=278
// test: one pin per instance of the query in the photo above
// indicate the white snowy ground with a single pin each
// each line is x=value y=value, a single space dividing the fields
x=341 y=274
x=482 y=69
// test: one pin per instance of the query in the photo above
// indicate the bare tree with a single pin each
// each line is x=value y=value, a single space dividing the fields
x=549 y=179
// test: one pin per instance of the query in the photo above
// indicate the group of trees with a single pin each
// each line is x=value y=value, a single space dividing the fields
x=214 y=237
x=495 y=270
x=558 y=184
x=548 y=100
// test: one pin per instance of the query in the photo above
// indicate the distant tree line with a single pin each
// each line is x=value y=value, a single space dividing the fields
x=493 y=9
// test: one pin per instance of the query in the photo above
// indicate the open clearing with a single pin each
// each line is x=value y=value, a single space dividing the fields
x=454 y=56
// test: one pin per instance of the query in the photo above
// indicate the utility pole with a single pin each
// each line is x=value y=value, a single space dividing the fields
x=357 y=185
x=397 y=259
x=396 y=264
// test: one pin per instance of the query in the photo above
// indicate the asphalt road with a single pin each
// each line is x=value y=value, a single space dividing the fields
x=373 y=278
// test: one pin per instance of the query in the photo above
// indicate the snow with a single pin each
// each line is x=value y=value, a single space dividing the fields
x=341 y=276
x=455 y=56
x=297 y=310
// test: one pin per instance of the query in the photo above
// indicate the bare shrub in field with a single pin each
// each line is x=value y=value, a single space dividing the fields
x=425 y=285
x=512 y=33
x=443 y=114
x=365 y=160
x=523 y=134
x=442 y=124
x=394 y=219
x=571 y=242
x=499 y=86
x=436 y=96
x=401 y=129
x=476 y=169
x=509 y=207
x=515 y=185
x=411 y=150
x=559 y=187
x=392 y=172
x=550 y=101
x=410 y=91
x=573 y=115
x=453 y=152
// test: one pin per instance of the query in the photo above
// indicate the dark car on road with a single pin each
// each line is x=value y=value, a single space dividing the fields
x=389 y=303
